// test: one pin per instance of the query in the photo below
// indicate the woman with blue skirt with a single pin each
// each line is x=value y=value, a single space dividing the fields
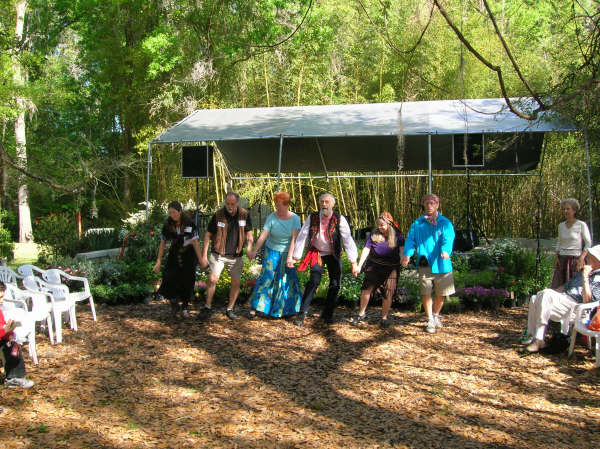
x=277 y=291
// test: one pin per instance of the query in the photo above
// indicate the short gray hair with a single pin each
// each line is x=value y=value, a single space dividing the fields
x=232 y=193
x=570 y=202
x=327 y=194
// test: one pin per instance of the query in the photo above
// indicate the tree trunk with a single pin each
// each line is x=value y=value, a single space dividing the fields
x=3 y=171
x=25 y=230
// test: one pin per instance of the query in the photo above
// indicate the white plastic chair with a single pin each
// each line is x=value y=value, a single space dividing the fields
x=582 y=313
x=30 y=270
x=59 y=300
x=16 y=310
x=8 y=276
x=54 y=276
x=39 y=309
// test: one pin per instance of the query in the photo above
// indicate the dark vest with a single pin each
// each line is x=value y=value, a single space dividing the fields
x=220 y=238
x=333 y=232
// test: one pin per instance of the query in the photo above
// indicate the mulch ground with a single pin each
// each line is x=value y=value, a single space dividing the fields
x=138 y=379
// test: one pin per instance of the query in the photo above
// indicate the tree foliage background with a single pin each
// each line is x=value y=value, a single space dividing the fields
x=104 y=77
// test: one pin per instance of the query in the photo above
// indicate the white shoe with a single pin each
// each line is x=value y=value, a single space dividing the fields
x=438 y=322
x=430 y=328
x=18 y=382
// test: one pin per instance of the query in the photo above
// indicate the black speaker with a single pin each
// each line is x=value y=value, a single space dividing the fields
x=465 y=240
x=475 y=150
x=197 y=162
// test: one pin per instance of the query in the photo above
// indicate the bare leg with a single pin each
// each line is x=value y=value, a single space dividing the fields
x=210 y=289
x=438 y=304
x=233 y=292
x=385 y=307
x=427 y=303
x=365 y=295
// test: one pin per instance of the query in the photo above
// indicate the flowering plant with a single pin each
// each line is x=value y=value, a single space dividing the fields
x=477 y=297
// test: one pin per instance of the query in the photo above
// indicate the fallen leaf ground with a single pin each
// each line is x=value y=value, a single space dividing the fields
x=138 y=379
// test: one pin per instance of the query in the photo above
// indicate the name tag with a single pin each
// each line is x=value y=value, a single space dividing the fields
x=221 y=224
x=242 y=222
x=187 y=229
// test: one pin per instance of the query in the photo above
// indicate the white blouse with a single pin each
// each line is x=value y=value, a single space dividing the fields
x=570 y=239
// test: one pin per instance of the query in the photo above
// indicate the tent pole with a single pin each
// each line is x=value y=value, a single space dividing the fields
x=148 y=163
x=589 y=181
x=429 y=173
x=279 y=163
x=538 y=214
x=322 y=159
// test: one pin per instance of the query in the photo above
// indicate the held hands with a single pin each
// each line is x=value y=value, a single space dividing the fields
x=203 y=262
x=291 y=262
x=444 y=255
x=404 y=261
x=356 y=270
x=250 y=254
x=580 y=264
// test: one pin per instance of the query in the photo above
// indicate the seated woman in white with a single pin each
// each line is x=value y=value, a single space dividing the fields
x=558 y=305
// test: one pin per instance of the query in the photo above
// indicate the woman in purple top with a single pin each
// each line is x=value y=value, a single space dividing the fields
x=382 y=256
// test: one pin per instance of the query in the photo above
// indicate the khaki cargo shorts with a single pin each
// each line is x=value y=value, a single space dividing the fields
x=442 y=284
x=234 y=265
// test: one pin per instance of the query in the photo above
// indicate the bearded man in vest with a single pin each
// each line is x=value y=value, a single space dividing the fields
x=228 y=231
x=326 y=231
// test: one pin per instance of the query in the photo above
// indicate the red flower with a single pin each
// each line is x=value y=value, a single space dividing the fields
x=500 y=270
x=513 y=282
x=151 y=232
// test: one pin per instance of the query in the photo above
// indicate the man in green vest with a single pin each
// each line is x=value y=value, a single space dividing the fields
x=228 y=231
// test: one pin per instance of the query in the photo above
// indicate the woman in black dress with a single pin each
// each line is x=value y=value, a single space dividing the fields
x=179 y=233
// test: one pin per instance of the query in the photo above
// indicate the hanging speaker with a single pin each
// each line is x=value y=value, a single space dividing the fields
x=470 y=153
x=197 y=162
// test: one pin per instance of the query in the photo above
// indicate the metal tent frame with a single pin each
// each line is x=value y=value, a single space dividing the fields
x=361 y=138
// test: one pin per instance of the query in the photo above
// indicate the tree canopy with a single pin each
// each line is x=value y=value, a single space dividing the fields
x=104 y=77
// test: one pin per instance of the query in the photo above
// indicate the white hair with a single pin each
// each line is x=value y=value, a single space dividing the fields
x=327 y=194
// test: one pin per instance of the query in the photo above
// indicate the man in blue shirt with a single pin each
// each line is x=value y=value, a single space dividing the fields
x=432 y=237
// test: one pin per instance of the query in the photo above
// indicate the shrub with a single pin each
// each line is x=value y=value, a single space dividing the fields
x=98 y=240
x=477 y=297
x=460 y=263
x=6 y=244
x=350 y=287
x=58 y=231
x=469 y=279
x=124 y=293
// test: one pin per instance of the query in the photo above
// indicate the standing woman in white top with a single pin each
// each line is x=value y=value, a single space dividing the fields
x=573 y=242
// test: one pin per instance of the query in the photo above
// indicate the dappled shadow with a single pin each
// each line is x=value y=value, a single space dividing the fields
x=136 y=376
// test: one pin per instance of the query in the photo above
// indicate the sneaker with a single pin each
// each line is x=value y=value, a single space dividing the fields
x=231 y=314
x=205 y=314
x=526 y=340
x=535 y=346
x=299 y=321
x=185 y=314
x=384 y=323
x=358 y=319
x=18 y=382
x=438 y=322
x=430 y=328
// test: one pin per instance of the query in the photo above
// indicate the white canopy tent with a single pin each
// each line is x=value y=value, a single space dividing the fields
x=356 y=137
x=367 y=138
